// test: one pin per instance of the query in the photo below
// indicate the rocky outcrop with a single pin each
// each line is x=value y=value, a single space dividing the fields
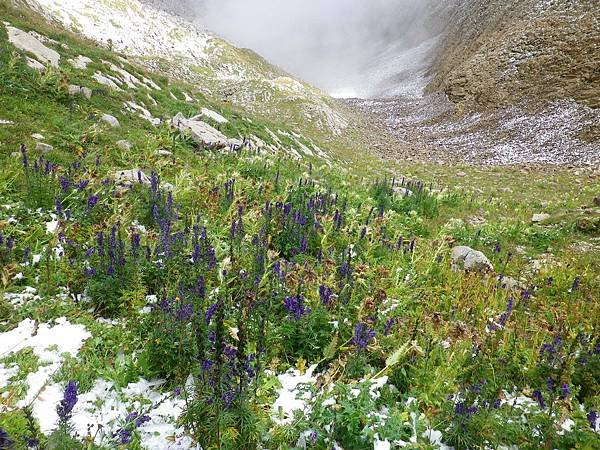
x=200 y=132
x=29 y=43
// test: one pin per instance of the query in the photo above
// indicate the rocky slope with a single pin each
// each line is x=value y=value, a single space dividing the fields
x=166 y=42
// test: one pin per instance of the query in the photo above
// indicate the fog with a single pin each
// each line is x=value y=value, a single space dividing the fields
x=345 y=47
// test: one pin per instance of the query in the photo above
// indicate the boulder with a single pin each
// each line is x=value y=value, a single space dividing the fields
x=200 y=132
x=46 y=148
x=470 y=260
x=211 y=115
x=81 y=62
x=111 y=120
x=124 y=145
x=537 y=218
x=106 y=81
x=80 y=90
x=30 y=44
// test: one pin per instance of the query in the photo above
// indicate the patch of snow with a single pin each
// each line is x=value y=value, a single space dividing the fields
x=6 y=373
x=288 y=400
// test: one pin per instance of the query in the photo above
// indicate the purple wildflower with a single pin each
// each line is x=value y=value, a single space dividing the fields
x=325 y=293
x=295 y=307
x=592 y=418
x=184 y=312
x=66 y=405
x=212 y=309
x=538 y=397
x=362 y=336
x=92 y=201
x=564 y=391
x=387 y=329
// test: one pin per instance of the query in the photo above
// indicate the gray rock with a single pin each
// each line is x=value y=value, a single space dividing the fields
x=38 y=136
x=163 y=152
x=211 y=115
x=111 y=120
x=34 y=64
x=131 y=176
x=403 y=192
x=200 y=131
x=537 y=218
x=81 y=62
x=30 y=44
x=106 y=81
x=46 y=148
x=6 y=122
x=469 y=260
x=510 y=283
x=124 y=145
x=80 y=90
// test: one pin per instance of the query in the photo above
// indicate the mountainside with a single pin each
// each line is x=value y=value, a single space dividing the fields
x=166 y=42
x=181 y=272
x=498 y=53
x=504 y=83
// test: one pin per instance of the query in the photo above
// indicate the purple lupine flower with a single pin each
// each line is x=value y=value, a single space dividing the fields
x=497 y=248
x=24 y=156
x=65 y=184
x=228 y=398
x=184 y=312
x=345 y=270
x=363 y=233
x=201 y=287
x=325 y=293
x=564 y=391
x=388 y=326
x=66 y=405
x=362 y=336
x=538 y=397
x=82 y=185
x=123 y=436
x=58 y=206
x=212 y=309
x=295 y=307
x=10 y=243
x=5 y=442
x=92 y=201
x=497 y=403
x=592 y=418
x=550 y=384
x=576 y=283
x=177 y=392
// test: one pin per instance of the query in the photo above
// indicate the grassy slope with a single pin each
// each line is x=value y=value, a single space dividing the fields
x=433 y=304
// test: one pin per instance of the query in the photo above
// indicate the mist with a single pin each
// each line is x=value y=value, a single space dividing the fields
x=345 y=47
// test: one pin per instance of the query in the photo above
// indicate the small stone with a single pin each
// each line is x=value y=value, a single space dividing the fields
x=34 y=64
x=403 y=192
x=461 y=174
x=46 y=148
x=80 y=90
x=38 y=136
x=537 y=218
x=6 y=122
x=111 y=120
x=124 y=145
x=510 y=283
x=163 y=152
x=131 y=176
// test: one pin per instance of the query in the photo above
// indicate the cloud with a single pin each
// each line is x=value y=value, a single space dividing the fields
x=330 y=43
